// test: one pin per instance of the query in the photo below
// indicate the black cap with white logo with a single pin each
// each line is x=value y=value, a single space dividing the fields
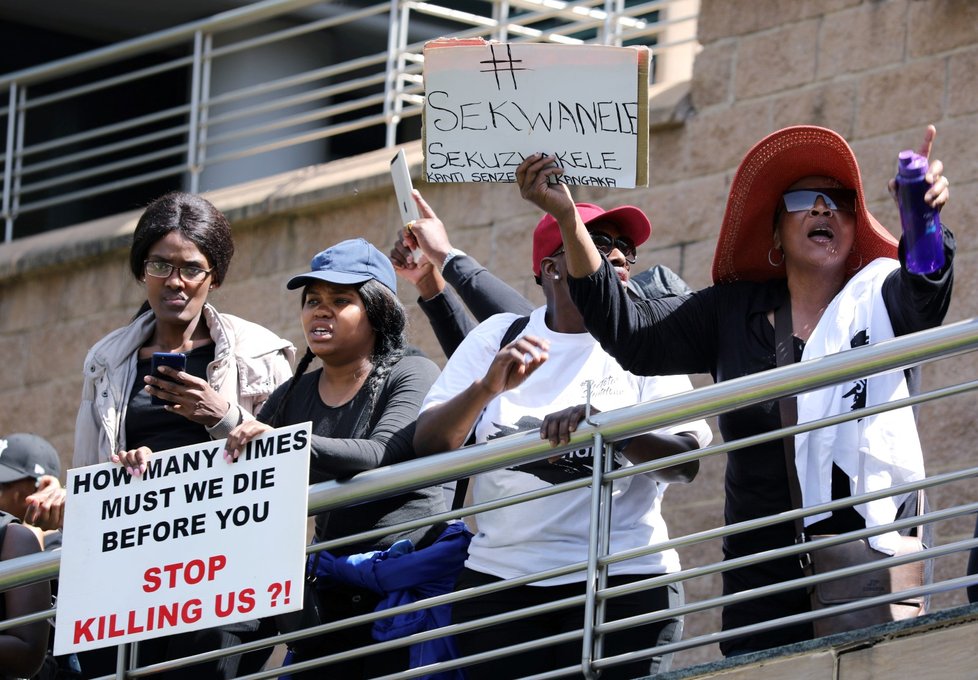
x=27 y=455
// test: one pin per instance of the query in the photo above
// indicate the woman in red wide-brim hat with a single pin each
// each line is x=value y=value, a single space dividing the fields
x=796 y=236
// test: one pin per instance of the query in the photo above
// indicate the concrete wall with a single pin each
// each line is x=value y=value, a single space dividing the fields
x=876 y=71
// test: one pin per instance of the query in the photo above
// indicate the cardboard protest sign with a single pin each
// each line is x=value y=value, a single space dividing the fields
x=196 y=542
x=490 y=105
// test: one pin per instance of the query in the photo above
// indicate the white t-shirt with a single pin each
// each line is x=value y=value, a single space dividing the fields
x=552 y=532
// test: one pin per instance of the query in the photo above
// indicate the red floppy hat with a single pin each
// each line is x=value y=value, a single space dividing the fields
x=631 y=222
x=769 y=168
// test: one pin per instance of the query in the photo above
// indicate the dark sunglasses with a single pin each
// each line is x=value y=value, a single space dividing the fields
x=606 y=244
x=803 y=200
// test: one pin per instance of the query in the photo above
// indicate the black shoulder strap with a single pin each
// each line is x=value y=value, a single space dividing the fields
x=514 y=330
x=784 y=351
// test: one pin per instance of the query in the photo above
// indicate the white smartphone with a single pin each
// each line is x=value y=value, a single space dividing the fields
x=402 y=190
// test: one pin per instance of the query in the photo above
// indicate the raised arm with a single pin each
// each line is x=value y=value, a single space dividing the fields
x=482 y=292
x=532 y=176
x=445 y=313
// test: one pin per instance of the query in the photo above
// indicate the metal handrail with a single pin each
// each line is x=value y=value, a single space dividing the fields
x=370 y=485
x=896 y=354
x=233 y=18
x=384 y=86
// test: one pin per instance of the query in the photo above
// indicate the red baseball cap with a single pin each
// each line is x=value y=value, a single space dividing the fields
x=631 y=222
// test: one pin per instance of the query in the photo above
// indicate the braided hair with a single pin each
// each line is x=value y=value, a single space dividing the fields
x=387 y=317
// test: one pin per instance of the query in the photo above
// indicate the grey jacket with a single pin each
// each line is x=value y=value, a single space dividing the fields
x=249 y=363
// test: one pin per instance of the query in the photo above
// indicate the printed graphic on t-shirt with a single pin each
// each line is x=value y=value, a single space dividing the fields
x=571 y=465
x=858 y=390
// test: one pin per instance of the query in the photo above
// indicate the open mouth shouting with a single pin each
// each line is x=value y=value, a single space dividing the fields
x=822 y=232
x=320 y=332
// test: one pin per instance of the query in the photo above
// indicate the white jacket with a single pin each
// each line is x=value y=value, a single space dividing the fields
x=249 y=363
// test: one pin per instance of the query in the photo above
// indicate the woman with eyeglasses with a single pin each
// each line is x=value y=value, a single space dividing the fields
x=181 y=250
x=796 y=238
x=513 y=374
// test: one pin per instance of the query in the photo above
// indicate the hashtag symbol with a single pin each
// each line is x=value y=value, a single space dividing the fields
x=502 y=65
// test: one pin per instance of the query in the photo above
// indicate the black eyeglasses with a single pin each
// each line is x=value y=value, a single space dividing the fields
x=803 y=200
x=163 y=270
x=606 y=244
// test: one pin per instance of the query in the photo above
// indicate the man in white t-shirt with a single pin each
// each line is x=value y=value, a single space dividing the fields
x=539 y=381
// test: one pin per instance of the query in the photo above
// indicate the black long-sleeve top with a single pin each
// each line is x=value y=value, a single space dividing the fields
x=345 y=442
x=724 y=330
x=482 y=291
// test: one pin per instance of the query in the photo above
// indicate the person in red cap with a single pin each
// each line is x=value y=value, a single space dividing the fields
x=443 y=274
x=513 y=374
x=797 y=237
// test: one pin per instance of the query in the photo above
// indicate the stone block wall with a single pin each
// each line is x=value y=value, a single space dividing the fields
x=877 y=71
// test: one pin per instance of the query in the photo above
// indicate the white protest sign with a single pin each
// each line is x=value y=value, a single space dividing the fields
x=490 y=105
x=196 y=542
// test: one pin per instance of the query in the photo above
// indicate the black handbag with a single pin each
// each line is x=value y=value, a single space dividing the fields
x=311 y=613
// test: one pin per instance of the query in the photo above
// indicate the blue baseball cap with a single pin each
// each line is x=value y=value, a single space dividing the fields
x=348 y=262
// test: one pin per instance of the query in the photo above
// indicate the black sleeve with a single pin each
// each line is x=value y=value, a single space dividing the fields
x=483 y=293
x=916 y=302
x=448 y=319
x=664 y=336
x=391 y=438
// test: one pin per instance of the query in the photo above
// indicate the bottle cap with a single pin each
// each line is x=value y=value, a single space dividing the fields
x=912 y=164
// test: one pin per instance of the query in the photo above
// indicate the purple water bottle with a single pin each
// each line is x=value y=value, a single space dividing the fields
x=922 y=235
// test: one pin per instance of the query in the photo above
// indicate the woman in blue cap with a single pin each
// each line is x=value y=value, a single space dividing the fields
x=362 y=401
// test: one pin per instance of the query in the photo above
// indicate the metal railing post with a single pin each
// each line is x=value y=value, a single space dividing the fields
x=194 y=127
x=8 y=164
x=594 y=537
x=205 y=100
x=121 y=661
x=19 y=153
x=604 y=549
x=500 y=14
x=396 y=41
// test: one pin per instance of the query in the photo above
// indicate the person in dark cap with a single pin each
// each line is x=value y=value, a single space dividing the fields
x=445 y=277
x=25 y=460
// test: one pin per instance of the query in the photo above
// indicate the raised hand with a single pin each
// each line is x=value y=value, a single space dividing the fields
x=514 y=363
x=939 y=193
x=533 y=177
